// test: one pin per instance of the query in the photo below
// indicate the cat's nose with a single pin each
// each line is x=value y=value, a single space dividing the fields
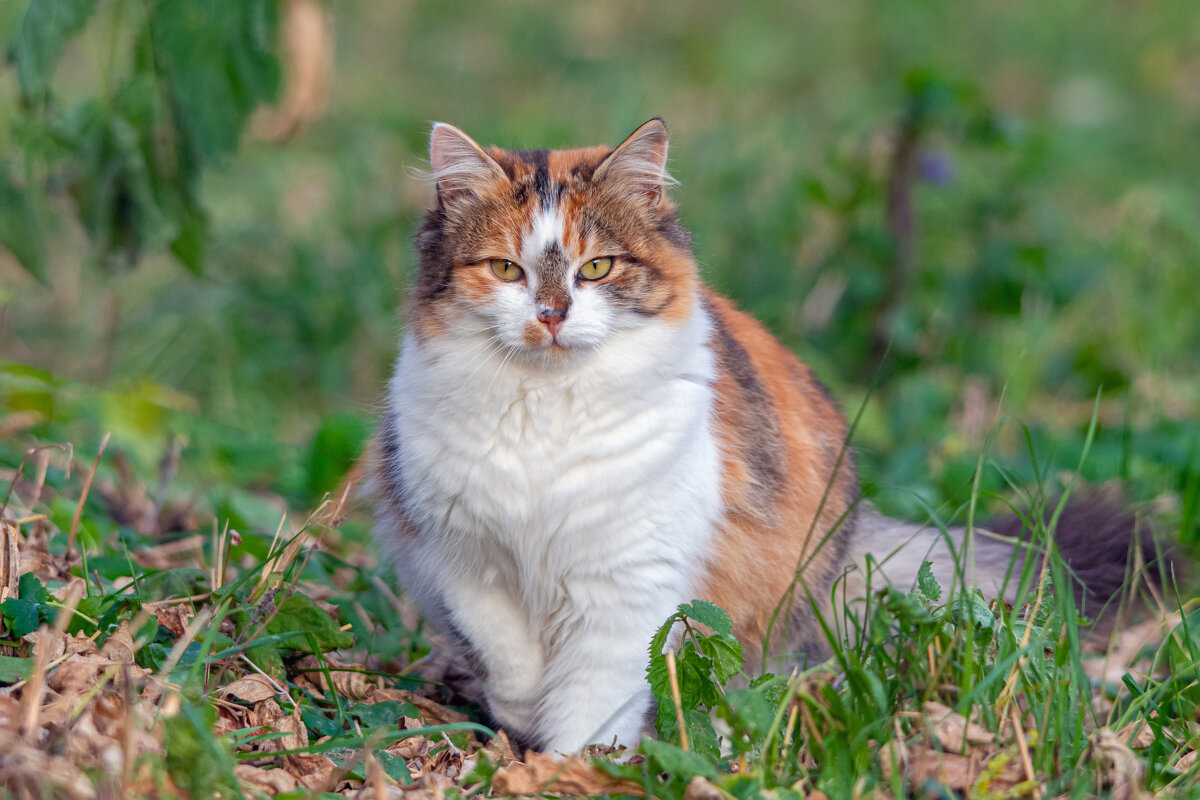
x=552 y=317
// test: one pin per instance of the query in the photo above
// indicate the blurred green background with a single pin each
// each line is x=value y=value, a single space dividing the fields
x=1040 y=250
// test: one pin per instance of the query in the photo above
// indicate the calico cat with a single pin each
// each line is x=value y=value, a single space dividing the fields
x=579 y=436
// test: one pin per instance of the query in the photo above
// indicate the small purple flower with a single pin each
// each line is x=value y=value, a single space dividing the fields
x=936 y=167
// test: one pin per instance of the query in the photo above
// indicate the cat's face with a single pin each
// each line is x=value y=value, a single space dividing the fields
x=551 y=254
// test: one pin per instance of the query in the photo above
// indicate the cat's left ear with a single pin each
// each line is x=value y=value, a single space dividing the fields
x=640 y=162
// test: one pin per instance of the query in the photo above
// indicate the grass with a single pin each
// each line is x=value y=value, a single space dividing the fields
x=269 y=656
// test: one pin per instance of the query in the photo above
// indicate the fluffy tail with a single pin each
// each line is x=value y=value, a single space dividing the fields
x=1104 y=546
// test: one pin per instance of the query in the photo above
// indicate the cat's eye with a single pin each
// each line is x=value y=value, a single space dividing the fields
x=506 y=270
x=595 y=269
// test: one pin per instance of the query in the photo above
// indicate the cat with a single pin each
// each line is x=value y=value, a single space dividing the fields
x=579 y=436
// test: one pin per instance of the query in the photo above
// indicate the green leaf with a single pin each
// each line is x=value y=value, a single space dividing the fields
x=972 y=607
x=13 y=668
x=19 y=230
x=660 y=637
x=20 y=616
x=266 y=657
x=927 y=583
x=702 y=738
x=709 y=614
x=31 y=589
x=659 y=678
x=217 y=61
x=725 y=652
x=697 y=685
x=298 y=613
x=318 y=722
x=337 y=443
x=680 y=764
x=383 y=715
x=45 y=31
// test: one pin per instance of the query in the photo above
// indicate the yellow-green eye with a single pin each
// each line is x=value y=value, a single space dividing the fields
x=506 y=270
x=595 y=269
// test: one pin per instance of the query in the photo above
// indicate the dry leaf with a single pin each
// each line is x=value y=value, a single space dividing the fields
x=270 y=781
x=10 y=560
x=119 y=646
x=174 y=618
x=918 y=764
x=1187 y=761
x=542 y=772
x=410 y=748
x=699 y=788
x=312 y=771
x=954 y=731
x=271 y=716
x=348 y=679
x=500 y=751
x=1137 y=734
x=1119 y=767
x=253 y=688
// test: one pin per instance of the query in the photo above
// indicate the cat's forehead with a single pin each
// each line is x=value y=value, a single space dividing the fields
x=545 y=174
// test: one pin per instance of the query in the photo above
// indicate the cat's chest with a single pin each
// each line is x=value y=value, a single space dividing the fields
x=539 y=457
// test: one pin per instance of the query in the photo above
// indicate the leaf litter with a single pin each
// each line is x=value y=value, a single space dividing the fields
x=188 y=670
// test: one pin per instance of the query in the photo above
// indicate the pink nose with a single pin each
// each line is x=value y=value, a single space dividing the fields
x=552 y=318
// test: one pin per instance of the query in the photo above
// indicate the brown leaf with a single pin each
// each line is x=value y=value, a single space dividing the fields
x=1137 y=734
x=1119 y=767
x=314 y=771
x=173 y=617
x=954 y=731
x=918 y=764
x=253 y=688
x=77 y=674
x=271 y=716
x=699 y=788
x=410 y=748
x=348 y=680
x=500 y=751
x=10 y=560
x=119 y=646
x=542 y=772
x=269 y=781
x=1186 y=761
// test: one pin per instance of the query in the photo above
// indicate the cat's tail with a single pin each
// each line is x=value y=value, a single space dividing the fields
x=1106 y=550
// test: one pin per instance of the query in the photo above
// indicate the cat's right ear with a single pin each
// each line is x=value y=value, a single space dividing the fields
x=460 y=166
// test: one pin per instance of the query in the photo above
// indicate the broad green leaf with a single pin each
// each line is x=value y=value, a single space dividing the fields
x=382 y=715
x=20 y=617
x=14 y=668
x=266 y=657
x=217 y=61
x=678 y=763
x=19 y=230
x=298 y=613
x=31 y=589
x=725 y=652
x=47 y=28
x=697 y=684
x=336 y=444
x=709 y=614
x=927 y=583
x=658 y=677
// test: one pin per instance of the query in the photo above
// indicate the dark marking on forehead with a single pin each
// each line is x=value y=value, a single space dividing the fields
x=542 y=185
x=751 y=413
x=553 y=267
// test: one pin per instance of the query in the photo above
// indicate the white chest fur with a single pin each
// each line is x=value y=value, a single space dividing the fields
x=551 y=505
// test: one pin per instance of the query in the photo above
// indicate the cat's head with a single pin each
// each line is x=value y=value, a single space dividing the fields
x=551 y=253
